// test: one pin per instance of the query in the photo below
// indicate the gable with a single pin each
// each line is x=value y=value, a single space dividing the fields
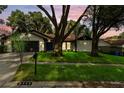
x=103 y=43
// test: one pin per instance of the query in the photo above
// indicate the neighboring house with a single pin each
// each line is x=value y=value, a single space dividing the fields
x=5 y=31
x=118 y=43
x=116 y=47
x=86 y=45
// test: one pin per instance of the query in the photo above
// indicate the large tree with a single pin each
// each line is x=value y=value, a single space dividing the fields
x=30 y=21
x=36 y=21
x=103 y=18
x=60 y=27
x=17 y=20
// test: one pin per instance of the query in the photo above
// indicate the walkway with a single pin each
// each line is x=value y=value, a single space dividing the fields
x=9 y=62
x=67 y=84
x=68 y=63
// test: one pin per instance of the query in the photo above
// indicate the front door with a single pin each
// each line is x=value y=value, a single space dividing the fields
x=49 y=46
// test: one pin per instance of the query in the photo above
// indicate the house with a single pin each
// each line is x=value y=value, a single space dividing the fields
x=119 y=44
x=36 y=41
x=86 y=45
x=116 y=47
x=5 y=31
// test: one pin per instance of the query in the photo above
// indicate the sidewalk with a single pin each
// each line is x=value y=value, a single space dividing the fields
x=67 y=63
x=67 y=84
x=9 y=63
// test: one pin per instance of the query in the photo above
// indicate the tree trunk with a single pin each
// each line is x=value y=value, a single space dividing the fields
x=94 y=51
x=58 y=49
x=95 y=39
x=75 y=45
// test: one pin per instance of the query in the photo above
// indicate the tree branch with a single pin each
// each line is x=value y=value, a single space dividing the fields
x=53 y=15
x=62 y=17
x=46 y=12
x=71 y=29
x=67 y=11
x=104 y=31
x=110 y=24
x=64 y=22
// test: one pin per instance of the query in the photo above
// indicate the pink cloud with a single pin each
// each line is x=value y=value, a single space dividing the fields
x=76 y=11
x=112 y=33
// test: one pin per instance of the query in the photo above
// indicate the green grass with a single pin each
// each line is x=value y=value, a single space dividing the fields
x=70 y=73
x=82 y=57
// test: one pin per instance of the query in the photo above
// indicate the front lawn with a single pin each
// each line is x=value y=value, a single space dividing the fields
x=82 y=57
x=47 y=72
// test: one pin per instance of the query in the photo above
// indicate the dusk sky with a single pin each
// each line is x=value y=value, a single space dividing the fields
x=74 y=13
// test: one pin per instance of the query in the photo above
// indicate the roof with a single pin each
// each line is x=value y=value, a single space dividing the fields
x=70 y=38
x=116 y=42
x=39 y=34
x=5 y=30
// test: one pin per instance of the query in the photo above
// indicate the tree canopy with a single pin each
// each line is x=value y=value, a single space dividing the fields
x=106 y=17
x=17 y=20
x=29 y=22
x=60 y=27
x=102 y=19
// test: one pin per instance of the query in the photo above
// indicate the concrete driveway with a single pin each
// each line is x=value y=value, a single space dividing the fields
x=9 y=63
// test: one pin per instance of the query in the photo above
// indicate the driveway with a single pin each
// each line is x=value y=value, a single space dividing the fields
x=9 y=62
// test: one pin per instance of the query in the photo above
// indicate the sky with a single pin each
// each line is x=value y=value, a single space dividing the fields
x=75 y=12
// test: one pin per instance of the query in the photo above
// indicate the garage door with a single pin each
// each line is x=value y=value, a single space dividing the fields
x=30 y=46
